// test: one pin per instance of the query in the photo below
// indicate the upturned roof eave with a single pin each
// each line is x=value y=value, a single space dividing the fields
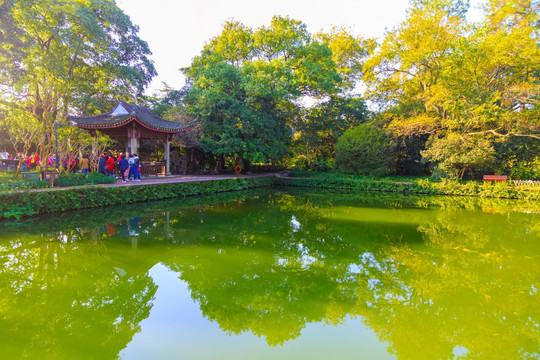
x=82 y=124
x=129 y=113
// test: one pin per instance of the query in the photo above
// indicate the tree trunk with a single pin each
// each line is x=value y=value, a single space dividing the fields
x=246 y=166
x=219 y=164
x=18 y=168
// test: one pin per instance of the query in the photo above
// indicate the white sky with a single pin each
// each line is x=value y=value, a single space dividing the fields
x=176 y=31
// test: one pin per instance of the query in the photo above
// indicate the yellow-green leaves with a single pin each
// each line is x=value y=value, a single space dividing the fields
x=472 y=81
x=348 y=53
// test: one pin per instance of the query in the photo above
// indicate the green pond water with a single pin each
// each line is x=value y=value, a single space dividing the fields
x=275 y=274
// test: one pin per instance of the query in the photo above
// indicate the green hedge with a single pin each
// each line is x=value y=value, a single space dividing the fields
x=341 y=176
x=421 y=186
x=18 y=204
x=25 y=203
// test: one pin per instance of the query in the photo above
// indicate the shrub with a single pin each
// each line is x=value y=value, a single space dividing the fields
x=321 y=165
x=457 y=154
x=364 y=150
x=438 y=174
x=420 y=186
x=82 y=179
x=71 y=180
x=9 y=182
x=526 y=170
x=98 y=178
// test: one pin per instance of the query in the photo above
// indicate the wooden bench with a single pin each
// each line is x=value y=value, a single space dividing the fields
x=153 y=168
x=495 y=178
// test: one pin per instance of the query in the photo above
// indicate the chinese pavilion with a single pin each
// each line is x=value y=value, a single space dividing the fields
x=134 y=123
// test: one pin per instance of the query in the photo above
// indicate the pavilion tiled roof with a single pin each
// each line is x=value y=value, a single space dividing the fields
x=124 y=113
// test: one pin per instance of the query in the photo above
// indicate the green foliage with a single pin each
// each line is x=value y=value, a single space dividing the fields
x=71 y=179
x=436 y=74
x=17 y=211
x=526 y=170
x=321 y=165
x=364 y=150
x=318 y=128
x=14 y=204
x=58 y=56
x=301 y=163
x=97 y=196
x=76 y=179
x=340 y=176
x=348 y=52
x=519 y=152
x=420 y=186
x=246 y=84
x=9 y=182
x=456 y=154
x=322 y=175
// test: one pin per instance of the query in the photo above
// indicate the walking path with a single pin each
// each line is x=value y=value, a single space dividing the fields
x=149 y=180
x=183 y=178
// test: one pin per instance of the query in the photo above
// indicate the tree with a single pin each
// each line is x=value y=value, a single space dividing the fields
x=22 y=130
x=62 y=56
x=364 y=150
x=245 y=85
x=318 y=129
x=447 y=76
x=349 y=53
x=457 y=154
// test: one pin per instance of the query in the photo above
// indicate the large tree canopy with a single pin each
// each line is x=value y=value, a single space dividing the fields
x=246 y=84
x=58 y=55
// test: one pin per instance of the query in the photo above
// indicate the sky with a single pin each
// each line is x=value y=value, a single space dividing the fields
x=177 y=30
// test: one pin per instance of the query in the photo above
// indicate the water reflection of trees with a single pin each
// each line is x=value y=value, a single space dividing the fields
x=63 y=298
x=426 y=281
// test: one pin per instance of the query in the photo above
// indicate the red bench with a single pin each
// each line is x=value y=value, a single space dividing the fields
x=495 y=178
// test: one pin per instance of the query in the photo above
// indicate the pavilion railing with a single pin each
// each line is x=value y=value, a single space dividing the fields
x=8 y=164
x=152 y=168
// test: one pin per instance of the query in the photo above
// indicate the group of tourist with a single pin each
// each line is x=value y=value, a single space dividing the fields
x=34 y=160
x=6 y=161
x=29 y=162
x=4 y=155
x=127 y=166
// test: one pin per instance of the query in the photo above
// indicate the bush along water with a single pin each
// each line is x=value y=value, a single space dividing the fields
x=420 y=186
x=42 y=202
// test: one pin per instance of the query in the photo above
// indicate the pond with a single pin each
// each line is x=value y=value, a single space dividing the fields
x=275 y=274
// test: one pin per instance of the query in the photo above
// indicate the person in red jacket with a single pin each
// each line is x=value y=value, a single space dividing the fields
x=119 y=175
x=109 y=165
